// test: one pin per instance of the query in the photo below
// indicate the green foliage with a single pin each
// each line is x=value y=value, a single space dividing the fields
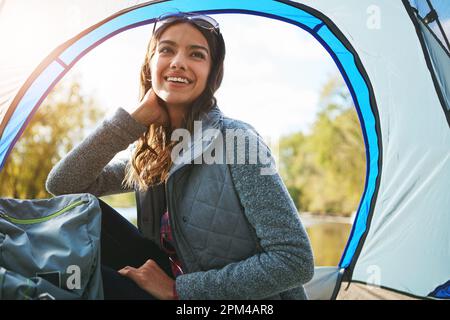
x=61 y=122
x=324 y=170
x=121 y=200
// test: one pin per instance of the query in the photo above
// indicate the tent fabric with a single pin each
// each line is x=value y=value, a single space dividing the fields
x=411 y=200
x=398 y=81
x=440 y=64
x=361 y=291
x=415 y=153
x=324 y=284
x=442 y=8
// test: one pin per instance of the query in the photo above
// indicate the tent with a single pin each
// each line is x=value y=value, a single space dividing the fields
x=394 y=58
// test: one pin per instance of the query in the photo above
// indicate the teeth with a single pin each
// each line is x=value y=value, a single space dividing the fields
x=176 y=79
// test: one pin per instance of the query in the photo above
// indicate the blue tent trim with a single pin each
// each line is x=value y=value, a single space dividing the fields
x=442 y=291
x=322 y=28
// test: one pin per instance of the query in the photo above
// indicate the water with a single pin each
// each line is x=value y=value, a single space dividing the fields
x=328 y=241
x=129 y=213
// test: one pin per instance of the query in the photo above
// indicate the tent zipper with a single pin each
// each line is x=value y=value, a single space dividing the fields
x=43 y=219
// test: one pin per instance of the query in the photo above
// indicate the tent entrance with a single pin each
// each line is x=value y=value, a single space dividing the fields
x=47 y=75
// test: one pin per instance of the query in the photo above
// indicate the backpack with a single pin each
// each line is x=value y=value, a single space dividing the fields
x=50 y=248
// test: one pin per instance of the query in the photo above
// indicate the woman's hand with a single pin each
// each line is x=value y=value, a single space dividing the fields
x=151 y=278
x=150 y=111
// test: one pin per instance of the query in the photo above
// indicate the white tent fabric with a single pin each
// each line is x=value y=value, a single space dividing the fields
x=324 y=285
x=415 y=156
x=400 y=239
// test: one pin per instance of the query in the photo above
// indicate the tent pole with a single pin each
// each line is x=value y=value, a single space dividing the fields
x=439 y=24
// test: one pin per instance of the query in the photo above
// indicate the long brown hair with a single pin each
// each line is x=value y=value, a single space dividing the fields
x=151 y=159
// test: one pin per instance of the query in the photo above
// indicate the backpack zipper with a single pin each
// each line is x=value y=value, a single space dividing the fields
x=43 y=219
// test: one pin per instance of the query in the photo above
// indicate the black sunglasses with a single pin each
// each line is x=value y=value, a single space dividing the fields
x=199 y=20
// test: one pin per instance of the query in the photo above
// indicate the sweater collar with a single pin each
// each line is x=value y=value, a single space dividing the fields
x=206 y=131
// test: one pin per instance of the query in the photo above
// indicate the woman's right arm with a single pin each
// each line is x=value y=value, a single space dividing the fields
x=88 y=167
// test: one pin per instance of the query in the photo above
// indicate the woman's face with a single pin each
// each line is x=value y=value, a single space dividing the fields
x=180 y=65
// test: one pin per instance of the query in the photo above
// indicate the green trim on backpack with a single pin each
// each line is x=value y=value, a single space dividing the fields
x=43 y=219
x=41 y=237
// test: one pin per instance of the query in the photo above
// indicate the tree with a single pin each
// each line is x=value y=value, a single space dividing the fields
x=61 y=122
x=325 y=169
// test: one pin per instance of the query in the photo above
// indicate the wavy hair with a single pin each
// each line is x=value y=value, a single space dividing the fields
x=151 y=158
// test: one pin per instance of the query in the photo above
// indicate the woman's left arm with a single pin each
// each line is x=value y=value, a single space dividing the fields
x=286 y=260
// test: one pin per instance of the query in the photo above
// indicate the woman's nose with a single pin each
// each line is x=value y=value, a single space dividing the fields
x=178 y=62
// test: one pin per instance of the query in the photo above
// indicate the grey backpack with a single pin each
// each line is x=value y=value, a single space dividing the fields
x=50 y=248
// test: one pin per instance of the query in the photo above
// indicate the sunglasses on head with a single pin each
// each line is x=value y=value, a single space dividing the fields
x=199 y=20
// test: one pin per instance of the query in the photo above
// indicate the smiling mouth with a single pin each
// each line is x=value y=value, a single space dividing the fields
x=178 y=80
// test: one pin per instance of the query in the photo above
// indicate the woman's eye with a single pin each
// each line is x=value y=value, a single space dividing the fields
x=198 y=55
x=165 y=50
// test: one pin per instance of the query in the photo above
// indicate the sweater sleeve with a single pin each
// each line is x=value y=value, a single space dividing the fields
x=90 y=167
x=286 y=259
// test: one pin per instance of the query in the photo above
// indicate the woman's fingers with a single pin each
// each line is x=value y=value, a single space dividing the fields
x=151 y=110
x=127 y=271
x=151 y=278
x=150 y=263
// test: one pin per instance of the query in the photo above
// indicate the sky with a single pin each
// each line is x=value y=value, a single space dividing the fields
x=273 y=73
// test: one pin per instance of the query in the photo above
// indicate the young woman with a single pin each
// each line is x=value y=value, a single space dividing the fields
x=215 y=230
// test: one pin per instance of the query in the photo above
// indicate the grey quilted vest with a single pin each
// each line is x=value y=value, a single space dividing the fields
x=206 y=216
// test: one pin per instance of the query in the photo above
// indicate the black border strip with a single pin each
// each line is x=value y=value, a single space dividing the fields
x=437 y=87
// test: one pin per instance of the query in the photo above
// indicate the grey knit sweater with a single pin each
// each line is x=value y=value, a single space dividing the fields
x=286 y=261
